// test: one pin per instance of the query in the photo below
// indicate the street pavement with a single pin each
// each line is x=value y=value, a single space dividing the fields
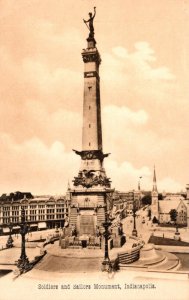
x=145 y=230
x=9 y=256
x=62 y=259
x=32 y=236
x=59 y=267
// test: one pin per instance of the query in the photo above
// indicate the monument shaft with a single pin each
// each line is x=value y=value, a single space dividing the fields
x=87 y=212
x=92 y=132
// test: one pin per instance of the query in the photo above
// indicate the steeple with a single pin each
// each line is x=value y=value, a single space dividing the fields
x=68 y=192
x=139 y=185
x=68 y=186
x=154 y=194
x=154 y=181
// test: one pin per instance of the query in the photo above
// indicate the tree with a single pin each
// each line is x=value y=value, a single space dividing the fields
x=147 y=199
x=154 y=220
x=173 y=215
x=149 y=214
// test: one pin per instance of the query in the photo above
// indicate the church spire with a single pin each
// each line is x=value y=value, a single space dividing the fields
x=154 y=181
x=68 y=186
x=139 y=183
x=154 y=194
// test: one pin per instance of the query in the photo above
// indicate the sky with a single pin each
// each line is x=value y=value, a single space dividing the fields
x=144 y=46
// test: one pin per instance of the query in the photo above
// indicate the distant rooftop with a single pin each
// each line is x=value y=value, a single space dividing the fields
x=16 y=196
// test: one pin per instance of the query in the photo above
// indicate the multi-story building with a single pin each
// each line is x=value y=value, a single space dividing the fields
x=160 y=210
x=125 y=202
x=165 y=206
x=41 y=212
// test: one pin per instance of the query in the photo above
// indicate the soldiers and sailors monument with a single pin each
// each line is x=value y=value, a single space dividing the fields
x=91 y=185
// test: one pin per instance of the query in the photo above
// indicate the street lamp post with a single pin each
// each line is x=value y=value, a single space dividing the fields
x=106 y=264
x=177 y=233
x=23 y=262
x=134 y=231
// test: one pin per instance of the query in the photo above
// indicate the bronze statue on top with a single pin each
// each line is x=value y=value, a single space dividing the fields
x=90 y=21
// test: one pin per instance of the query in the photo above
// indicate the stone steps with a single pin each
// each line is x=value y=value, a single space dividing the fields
x=73 y=216
x=170 y=263
x=156 y=261
x=151 y=261
x=100 y=217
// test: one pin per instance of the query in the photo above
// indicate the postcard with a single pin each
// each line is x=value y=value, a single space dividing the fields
x=94 y=199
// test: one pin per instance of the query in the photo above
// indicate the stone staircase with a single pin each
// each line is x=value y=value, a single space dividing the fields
x=100 y=218
x=153 y=260
x=73 y=216
x=100 y=213
x=170 y=262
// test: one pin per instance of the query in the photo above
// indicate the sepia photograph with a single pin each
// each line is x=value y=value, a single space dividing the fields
x=94 y=120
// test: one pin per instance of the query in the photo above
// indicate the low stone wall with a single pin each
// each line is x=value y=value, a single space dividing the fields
x=4 y=248
x=118 y=241
x=162 y=229
x=148 y=251
x=173 y=249
x=19 y=271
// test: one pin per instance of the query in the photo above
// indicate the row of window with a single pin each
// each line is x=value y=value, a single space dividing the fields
x=50 y=216
x=34 y=212
x=26 y=207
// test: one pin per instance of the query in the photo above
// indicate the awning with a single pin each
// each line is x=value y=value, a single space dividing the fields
x=6 y=230
x=42 y=225
x=16 y=227
x=33 y=225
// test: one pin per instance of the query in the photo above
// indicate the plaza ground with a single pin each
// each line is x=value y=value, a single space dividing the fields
x=158 y=240
x=84 y=265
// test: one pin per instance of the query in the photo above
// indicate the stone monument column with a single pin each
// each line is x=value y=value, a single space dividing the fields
x=91 y=184
x=91 y=170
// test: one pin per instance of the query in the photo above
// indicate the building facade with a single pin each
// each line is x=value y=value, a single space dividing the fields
x=165 y=206
x=125 y=202
x=160 y=209
x=41 y=212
